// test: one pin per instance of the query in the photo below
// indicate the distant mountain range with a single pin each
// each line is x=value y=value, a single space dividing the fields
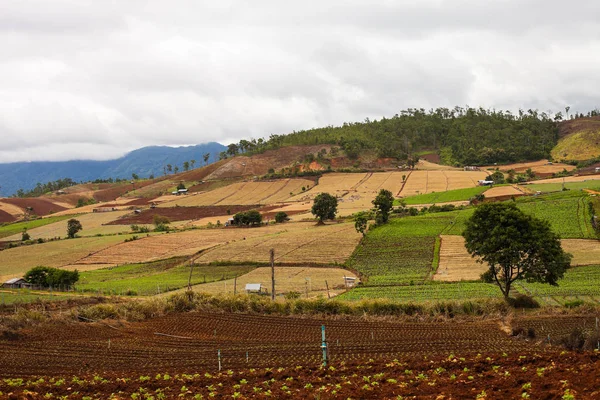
x=143 y=162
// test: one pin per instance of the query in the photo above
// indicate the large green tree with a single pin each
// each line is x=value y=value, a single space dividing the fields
x=384 y=203
x=515 y=246
x=324 y=207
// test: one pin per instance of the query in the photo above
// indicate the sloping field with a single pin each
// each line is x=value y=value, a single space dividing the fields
x=581 y=178
x=303 y=280
x=540 y=167
x=456 y=264
x=179 y=214
x=244 y=193
x=593 y=184
x=579 y=139
x=259 y=164
x=502 y=191
x=301 y=242
x=15 y=211
x=6 y=217
x=17 y=261
x=93 y=224
x=419 y=182
x=39 y=205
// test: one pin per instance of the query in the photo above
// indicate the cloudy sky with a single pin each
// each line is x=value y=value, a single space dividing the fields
x=95 y=79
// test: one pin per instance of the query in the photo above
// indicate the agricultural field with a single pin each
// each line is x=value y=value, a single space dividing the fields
x=306 y=281
x=18 y=227
x=558 y=186
x=153 y=278
x=92 y=223
x=422 y=182
x=444 y=197
x=456 y=264
x=180 y=214
x=539 y=167
x=297 y=242
x=401 y=251
x=578 y=283
x=60 y=253
x=504 y=192
x=244 y=193
x=431 y=291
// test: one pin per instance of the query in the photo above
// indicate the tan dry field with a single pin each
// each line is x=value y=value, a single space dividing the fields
x=243 y=193
x=429 y=166
x=287 y=279
x=540 y=166
x=92 y=223
x=119 y=205
x=11 y=209
x=456 y=264
x=420 y=182
x=15 y=262
x=501 y=191
x=297 y=242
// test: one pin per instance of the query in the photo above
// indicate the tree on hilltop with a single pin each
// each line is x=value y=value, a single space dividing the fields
x=515 y=246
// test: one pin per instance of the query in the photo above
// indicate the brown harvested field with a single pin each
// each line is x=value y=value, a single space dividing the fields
x=244 y=193
x=18 y=260
x=420 y=182
x=40 y=206
x=297 y=242
x=503 y=191
x=179 y=214
x=15 y=211
x=540 y=167
x=456 y=264
x=92 y=223
x=287 y=279
x=336 y=184
x=431 y=166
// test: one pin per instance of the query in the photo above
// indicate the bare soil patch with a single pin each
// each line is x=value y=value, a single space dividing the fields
x=40 y=206
x=6 y=217
x=542 y=167
x=503 y=192
x=456 y=264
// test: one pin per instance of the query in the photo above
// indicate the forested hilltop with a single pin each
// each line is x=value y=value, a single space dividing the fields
x=461 y=136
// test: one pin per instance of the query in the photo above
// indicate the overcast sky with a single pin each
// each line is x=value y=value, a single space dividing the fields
x=95 y=79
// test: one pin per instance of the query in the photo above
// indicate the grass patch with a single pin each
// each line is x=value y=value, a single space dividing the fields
x=436 y=255
x=443 y=197
x=425 y=292
x=18 y=227
x=557 y=187
x=155 y=277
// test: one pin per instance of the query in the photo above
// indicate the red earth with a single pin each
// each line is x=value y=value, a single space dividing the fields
x=40 y=206
x=279 y=357
x=6 y=217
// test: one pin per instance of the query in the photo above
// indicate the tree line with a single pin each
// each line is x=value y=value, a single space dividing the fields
x=462 y=136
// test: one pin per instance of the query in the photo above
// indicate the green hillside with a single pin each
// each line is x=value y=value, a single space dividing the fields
x=580 y=139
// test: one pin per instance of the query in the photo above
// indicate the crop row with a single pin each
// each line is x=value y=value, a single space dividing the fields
x=426 y=292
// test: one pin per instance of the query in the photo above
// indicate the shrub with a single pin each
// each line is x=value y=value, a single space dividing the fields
x=25 y=236
x=574 y=303
x=247 y=218
x=281 y=217
x=523 y=301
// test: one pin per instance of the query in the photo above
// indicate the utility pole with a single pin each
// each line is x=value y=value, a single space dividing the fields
x=190 y=277
x=272 y=274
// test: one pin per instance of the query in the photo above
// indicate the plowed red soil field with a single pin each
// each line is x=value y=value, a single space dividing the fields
x=279 y=357
x=40 y=206
x=6 y=217
x=183 y=213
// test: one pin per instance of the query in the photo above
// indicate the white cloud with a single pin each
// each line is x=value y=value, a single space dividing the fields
x=96 y=79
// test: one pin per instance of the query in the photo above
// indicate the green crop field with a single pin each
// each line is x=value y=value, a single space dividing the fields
x=155 y=277
x=18 y=227
x=23 y=296
x=443 y=197
x=578 y=281
x=426 y=292
x=401 y=251
x=557 y=187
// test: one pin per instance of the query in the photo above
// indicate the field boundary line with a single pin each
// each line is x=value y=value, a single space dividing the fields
x=404 y=183
x=362 y=181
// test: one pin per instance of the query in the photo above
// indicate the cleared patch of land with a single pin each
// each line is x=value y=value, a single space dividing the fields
x=18 y=227
x=456 y=264
x=540 y=167
x=503 y=191
x=302 y=280
x=179 y=214
x=299 y=242
x=419 y=182
x=38 y=206
x=590 y=183
x=579 y=139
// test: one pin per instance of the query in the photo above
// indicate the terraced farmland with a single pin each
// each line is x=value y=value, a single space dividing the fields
x=293 y=243
x=244 y=193
x=420 y=182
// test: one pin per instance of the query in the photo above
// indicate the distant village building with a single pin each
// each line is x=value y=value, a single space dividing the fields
x=485 y=183
x=597 y=169
x=255 y=288
x=471 y=168
x=182 y=191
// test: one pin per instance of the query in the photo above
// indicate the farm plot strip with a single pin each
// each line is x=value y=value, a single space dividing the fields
x=268 y=340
